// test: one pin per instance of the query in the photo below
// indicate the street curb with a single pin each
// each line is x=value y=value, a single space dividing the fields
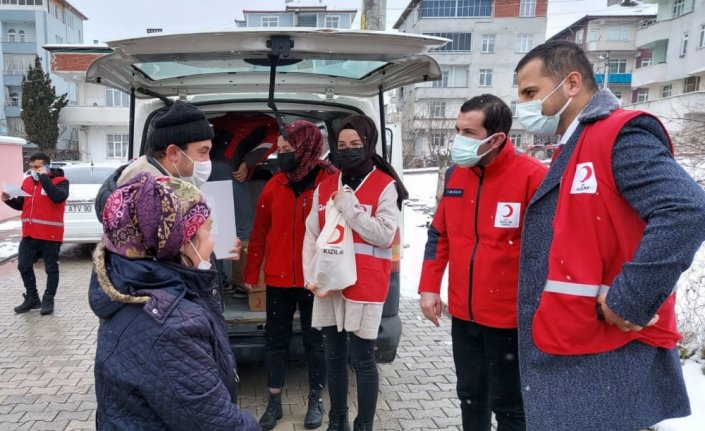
x=7 y=259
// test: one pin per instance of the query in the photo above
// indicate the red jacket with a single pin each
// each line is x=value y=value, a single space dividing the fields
x=477 y=229
x=42 y=218
x=373 y=264
x=596 y=232
x=277 y=236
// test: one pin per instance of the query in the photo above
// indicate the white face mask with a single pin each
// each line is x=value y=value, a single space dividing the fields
x=201 y=171
x=203 y=265
x=531 y=116
x=463 y=150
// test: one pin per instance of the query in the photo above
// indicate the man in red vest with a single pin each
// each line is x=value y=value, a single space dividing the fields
x=606 y=237
x=42 y=229
x=477 y=229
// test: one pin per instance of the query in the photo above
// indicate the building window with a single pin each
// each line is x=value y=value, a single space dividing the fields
x=116 y=98
x=24 y=2
x=617 y=94
x=642 y=95
x=527 y=8
x=270 y=21
x=487 y=43
x=59 y=39
x=450 y=8
x=618 y=33
x=18 y=64
x=332 y=21
x=678 y=8
x=646 y=62
x=617 y=65
x=443 y=82
x=579 y=36
x=458 y=41
x=437 y=109
x=14 y=99
x=666 y=90
x=485 y=77
x=438 y=139
x=524 y=42
x=513 y=107
x=20 y=36
x=116 y=145
x=691 y=83
x=684 y=44
x=701 y=41
x=11 y=35
x=515 y=79
x=516 y=139
x=306 y=21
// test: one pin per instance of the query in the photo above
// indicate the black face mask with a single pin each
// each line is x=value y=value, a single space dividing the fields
x=287 y=161
x=351 y=158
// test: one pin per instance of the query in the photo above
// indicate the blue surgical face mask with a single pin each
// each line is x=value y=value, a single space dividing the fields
x=531 y=116
x=463 y=150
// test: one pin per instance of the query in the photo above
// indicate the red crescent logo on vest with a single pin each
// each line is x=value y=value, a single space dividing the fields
x=588 y=173
x=510 y=211
x=340 y=230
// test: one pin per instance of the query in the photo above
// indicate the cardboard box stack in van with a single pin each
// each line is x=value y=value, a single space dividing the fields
x=256 y=297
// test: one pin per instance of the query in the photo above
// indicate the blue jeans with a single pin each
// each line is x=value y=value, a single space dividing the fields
x=487 y=366
x=29 y=252
x=244 y=209
x=362 y=356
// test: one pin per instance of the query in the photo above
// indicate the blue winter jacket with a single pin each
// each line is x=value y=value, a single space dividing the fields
x=165 y=364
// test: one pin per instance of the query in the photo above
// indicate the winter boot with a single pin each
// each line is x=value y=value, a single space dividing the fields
x=273 y=412
x=362 y=426
x=338 y=422
x=31 y=302
x=314 y=414
x=47 y=304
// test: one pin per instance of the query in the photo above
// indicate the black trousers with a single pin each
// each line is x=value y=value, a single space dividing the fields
x=281 y=305
x=487 y=366
x=29 y=252
x=339 y=347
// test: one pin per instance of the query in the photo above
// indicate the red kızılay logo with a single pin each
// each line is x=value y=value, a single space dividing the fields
x=584 y=179
x=339 y=235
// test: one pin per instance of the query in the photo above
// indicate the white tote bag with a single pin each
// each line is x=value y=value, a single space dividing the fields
x=333 y=266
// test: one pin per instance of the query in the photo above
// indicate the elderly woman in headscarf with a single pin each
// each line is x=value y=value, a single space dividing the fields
x=276 y=240
x=163 y=360
x=350 y=318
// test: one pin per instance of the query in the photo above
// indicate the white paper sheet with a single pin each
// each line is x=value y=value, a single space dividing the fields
x=219 y=195
x=13 y=190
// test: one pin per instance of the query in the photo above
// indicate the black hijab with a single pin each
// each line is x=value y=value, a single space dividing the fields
x=366 y=128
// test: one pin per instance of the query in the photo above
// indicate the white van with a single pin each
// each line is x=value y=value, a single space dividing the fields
x=318 y=75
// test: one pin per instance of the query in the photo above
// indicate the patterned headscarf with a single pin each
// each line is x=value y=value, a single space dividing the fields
x=153 y=217
x=307 y=141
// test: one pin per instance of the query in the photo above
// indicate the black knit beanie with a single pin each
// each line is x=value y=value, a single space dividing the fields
x=179 y=124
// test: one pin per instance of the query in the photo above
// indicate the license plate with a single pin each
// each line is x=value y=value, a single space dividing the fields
x=80 y=208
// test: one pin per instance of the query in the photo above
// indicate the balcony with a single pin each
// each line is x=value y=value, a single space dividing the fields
x=648 y=36
x=12 y=111
x=674 y=110
x=76 y=116
x=17 y=47
x=614 y=78
x=650 y=74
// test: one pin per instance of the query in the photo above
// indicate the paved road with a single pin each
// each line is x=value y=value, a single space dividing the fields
x=46 y=365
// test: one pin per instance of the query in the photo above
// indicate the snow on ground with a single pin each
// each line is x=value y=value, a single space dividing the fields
x=419 y=210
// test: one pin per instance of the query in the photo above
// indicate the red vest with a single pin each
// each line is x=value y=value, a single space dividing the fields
x=595 y=232
x=373 y=263
x=42 y=218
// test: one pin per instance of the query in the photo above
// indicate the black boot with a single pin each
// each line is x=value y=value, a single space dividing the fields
x=362 y=426
x=273 y=412
x=314 y=414
x=338 y=422
x=47 y=304
x=31 y=302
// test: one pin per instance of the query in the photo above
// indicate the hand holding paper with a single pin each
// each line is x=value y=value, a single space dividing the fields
x=13 y=190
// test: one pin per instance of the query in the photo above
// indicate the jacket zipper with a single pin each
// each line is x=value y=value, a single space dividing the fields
x=477 y=240
x=293 y=243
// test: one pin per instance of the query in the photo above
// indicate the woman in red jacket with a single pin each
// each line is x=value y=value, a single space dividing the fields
x=277 y=239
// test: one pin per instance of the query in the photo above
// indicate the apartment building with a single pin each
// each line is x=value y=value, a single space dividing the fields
x=26 y=26
x=668 y=79
x=609 y=40
x=299 y=14
x=487 y=40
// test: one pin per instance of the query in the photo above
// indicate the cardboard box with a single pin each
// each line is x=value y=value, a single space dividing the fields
x=239 y=271
x=257 y=300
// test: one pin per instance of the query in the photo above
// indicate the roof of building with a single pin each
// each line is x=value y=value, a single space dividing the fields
x=410 y=7
x=70 y=7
